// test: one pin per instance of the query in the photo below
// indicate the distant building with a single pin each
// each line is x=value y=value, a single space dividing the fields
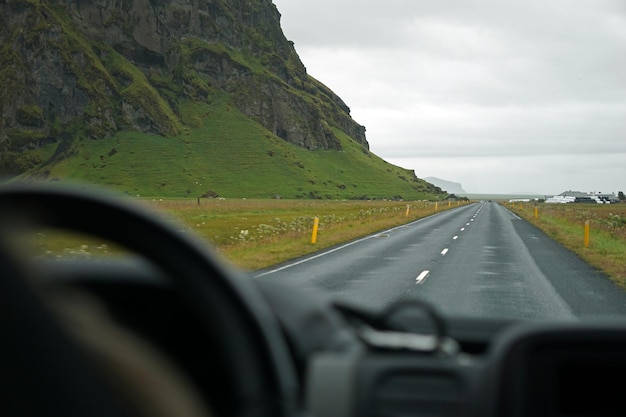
x=580 y=197
x=571 y=193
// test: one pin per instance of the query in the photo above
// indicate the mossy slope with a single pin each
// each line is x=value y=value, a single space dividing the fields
x=159 y=98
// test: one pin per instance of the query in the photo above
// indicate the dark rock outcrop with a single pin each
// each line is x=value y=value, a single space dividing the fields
x=92 y=68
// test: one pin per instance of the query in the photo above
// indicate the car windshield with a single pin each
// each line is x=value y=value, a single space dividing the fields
x=470 y=154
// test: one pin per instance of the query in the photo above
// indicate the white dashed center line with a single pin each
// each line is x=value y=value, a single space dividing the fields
x=443 y=252
x=421 y=277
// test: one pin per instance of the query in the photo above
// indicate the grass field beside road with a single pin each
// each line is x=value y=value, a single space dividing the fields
x=565 y=223
x=257 y=233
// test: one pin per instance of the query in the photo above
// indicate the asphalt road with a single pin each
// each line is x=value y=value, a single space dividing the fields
x=478 y=260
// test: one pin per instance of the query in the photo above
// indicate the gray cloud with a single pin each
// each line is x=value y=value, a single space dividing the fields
x=476 y=81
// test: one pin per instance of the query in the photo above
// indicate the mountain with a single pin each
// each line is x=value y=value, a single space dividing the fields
x=449 y=186
x=116 y=92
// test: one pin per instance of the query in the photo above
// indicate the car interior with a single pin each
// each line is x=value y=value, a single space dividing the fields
x=174 y=330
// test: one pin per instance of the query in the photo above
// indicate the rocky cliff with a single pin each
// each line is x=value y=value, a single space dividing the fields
x=91 y=68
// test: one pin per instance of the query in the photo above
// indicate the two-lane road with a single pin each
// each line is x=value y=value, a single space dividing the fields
x=479 y=260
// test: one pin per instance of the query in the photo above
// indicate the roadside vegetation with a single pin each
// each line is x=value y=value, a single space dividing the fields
x=565 y=223
x=258 y=233
x=221 y=152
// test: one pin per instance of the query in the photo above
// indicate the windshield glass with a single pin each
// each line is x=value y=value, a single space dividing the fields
x=469 y=154
x=523 y=99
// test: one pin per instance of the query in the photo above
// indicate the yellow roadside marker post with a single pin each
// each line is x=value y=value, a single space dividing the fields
x=316 y=223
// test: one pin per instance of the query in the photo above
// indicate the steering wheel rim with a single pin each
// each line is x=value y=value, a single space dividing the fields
x=262 y=376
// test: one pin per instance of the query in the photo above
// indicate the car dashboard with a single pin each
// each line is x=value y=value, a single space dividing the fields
x=480 y=367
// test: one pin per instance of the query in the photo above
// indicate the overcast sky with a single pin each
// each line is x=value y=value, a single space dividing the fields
x=501 y=96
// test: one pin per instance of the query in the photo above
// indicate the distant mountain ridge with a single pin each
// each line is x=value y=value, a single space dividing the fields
x=448 y=186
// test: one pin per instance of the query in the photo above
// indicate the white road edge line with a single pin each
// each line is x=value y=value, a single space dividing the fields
x=354 y=242
x=443 y=252
x=421 y=277
x=513 y=214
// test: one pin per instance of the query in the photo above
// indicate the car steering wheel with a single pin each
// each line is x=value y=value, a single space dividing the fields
x=261 y=375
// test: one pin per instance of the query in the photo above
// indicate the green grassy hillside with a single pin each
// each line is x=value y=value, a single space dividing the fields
x=223 y=152
x=230 y=107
